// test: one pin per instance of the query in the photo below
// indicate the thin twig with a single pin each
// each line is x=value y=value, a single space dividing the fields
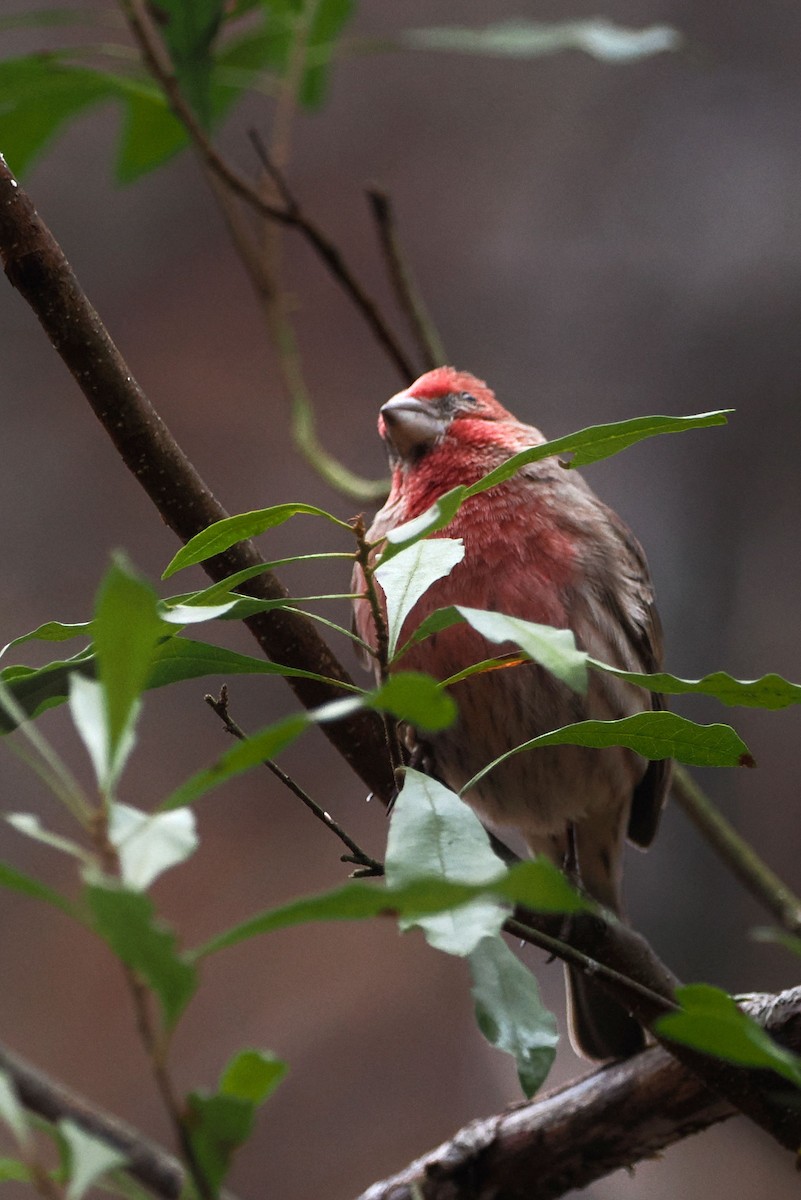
x=739 y=856
x=566 y=953
x=409 y=296
x=369 y=866
x=155 y=1044
x=157 y=61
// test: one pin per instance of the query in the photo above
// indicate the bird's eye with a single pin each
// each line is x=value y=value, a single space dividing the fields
x=466 y=398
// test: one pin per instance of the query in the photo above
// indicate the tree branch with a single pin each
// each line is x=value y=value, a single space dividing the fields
x=429 y=344
x=742 y=860
x=292 y=214
x=35 y=264
x=626 y=1112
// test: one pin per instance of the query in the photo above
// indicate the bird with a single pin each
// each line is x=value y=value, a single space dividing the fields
x=543 y=547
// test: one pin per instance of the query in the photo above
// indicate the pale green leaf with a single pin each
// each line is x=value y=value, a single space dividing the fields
x=521 y=38
x=554 y=649
x=31 y=826
x=434 y=833
x=407 y=576
x=510 y=1012
x=12 y=1112
x=149 y=844
x=89 y=1158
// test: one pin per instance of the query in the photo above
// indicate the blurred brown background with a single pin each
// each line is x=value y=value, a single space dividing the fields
x=597 y=242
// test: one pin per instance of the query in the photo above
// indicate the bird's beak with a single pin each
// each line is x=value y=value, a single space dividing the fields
x=410 y=425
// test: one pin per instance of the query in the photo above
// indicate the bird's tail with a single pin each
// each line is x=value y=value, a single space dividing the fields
x=599 y=1027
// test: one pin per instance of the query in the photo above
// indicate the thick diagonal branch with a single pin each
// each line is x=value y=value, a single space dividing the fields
x=36 y=265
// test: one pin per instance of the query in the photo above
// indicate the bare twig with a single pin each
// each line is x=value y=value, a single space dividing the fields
x=623 y=986
x=429 y=344
x=368 y=866
x=158 y=63
x=740 y=858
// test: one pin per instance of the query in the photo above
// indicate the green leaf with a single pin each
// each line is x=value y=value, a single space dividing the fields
x=127 y=922
x=219 y=1124
x=12 y=1112
x=587 y=446
x=554 y=649
x=88 y=1158
x=711 y=1022
x=521 y=38
x=226 y=533
x=417 y=698
x=151 y=135
x=536 y=884
x=149 y=844
x=37 y=689
x=189 y=31
x=181 y=658
x=432 y=833
x=37 y=96
x=17 y=881
x=13 y=1171
x=539 y=885
x=407 y=576
x=252 y=1075
x=126 y=630
x=769 y=691
x=510 y=1012
x=330 y=17
x=654 y=735
x=435 y=622
x=51 y=631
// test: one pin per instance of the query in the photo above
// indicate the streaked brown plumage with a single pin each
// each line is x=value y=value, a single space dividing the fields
x=543 y=547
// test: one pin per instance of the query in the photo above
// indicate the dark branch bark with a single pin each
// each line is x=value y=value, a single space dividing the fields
x=36 y=266
x=611 y=1119
x=147 y=1162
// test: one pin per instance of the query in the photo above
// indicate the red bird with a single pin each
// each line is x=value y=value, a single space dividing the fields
x=543 y=547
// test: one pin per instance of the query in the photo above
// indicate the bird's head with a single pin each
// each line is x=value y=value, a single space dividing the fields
x=440 y=404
